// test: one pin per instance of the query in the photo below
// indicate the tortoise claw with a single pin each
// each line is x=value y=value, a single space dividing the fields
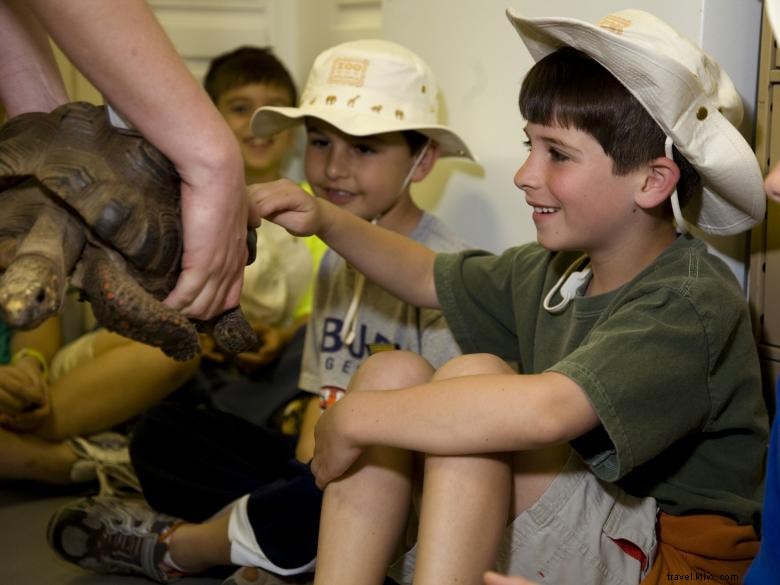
x=232 y=332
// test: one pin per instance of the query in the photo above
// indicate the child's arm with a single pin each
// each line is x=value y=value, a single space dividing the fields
x=492 y=578
x=395 y=262
x=458 y=416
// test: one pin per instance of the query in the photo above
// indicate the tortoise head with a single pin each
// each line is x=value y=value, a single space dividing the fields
x=31 y=290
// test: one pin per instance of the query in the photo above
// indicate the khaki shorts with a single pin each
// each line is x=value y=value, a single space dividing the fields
x=570 y=535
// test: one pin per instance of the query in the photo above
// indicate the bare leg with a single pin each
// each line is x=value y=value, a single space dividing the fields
x=364 y=513
x=124 y=379
x=197 y=547
x=467 y=501
x=25 y=456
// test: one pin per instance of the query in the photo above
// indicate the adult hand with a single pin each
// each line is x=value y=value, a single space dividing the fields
x=214 y=220
x=286 y=204
x=334 y=453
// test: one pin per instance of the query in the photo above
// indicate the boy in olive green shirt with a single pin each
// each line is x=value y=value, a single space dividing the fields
x=629 y=446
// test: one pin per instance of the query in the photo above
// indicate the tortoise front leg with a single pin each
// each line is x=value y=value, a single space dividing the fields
x=122 y=305
x=33 y=285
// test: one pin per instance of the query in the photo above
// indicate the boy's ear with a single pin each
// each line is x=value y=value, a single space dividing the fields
x=660 y=182
x=426 y=162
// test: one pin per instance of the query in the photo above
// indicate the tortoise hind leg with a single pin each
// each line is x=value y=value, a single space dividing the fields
x=120 y=304
x=231 y=331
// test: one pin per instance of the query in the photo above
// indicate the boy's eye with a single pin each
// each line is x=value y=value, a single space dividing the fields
x=557 y=155
x=239 y=109
x=364 y=149
x=527 y=144
x=318 y=142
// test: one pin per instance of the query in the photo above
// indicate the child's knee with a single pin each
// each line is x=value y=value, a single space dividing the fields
x=389 y=370
x=472 y=364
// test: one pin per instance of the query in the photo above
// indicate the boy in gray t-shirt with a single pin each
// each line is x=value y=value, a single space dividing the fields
x=370 y=109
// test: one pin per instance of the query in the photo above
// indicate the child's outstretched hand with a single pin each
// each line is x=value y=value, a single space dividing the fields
x=285 y=203
x=334 y=454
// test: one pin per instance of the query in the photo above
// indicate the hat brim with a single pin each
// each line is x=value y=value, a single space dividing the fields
x=732 y=198
x=270 y=120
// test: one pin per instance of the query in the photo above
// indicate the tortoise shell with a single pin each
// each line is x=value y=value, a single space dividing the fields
x=85 y=203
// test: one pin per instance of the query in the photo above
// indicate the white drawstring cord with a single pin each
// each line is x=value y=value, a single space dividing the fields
x=349 y=327
x=569 y=284
x=679 y=220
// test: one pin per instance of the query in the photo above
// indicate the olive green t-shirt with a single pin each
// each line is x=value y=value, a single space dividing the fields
x=668 y=362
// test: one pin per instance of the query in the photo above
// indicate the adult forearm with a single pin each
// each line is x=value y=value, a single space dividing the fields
x=125 y=58
x=29 y=78
x=397 y=263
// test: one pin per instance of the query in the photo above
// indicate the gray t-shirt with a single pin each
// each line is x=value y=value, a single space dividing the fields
x=382 y=318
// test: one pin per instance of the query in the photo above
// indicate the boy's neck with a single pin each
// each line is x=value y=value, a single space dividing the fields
x=403 y=217
x=614 y=268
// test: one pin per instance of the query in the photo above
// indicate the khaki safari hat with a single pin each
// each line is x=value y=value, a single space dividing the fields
x=685 y=91
x=368 y=87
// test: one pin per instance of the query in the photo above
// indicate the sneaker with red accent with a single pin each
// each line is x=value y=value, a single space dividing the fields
x=113 y=535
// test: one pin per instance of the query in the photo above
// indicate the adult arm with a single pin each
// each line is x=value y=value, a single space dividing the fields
x=397 y=263
x=458 y=416
x=133 y=63
x=29 y=78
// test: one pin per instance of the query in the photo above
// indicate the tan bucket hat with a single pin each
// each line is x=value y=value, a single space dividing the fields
x=368 y=87
x=685 y=91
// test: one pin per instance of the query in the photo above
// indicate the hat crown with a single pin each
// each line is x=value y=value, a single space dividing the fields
x=647 y=31
x=686 y=92
x=374 y=76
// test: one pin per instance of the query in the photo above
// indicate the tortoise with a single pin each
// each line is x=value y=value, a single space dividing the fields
x=86 y=204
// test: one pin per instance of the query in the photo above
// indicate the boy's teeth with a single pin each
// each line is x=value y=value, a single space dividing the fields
x=544 y=209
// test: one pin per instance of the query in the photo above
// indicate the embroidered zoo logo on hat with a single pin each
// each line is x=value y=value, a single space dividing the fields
x=348 y=71
x=614 y=23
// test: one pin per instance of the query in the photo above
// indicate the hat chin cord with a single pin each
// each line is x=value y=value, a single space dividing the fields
x=679 y=221
x=570 y=283
x=349 y=327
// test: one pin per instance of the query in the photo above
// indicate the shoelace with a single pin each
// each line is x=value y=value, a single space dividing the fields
x=349 y=327
x=115 y=480
x=110 y=465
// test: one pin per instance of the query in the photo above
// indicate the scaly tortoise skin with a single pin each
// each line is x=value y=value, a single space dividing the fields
x=87 y=204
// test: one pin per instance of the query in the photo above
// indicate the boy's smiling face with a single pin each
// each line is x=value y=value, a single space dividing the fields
x=361 y=174
x=578 y=203
x=262 y=156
